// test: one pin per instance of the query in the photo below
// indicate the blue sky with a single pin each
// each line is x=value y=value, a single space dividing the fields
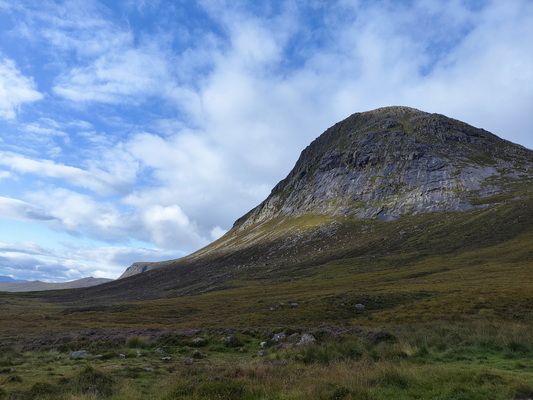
x=141 y=130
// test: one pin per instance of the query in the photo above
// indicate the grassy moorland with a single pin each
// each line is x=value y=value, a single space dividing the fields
x=476 y=360
x=448 y=314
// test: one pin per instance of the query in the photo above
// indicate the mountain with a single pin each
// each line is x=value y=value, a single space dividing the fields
x=385 y=190
x=390 y=162
x=34 y=286
x=8 y=279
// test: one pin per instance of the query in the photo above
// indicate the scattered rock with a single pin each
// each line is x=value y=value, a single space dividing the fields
x=188 y=361
x=199 y=341
x=139 y=354
x=359 y=307
x=263 y=344
x=149 y=369
x=232 y=341
x=166 y=358
x=79 y=354
x=294 y=305
x=159 y=350
x=122 y=355
x=260 y=353
x=278 y=336
x=307 y=339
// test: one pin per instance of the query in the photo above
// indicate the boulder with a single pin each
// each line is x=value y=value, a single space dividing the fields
x=278 y=336
x=79 y=354
x=306 y=339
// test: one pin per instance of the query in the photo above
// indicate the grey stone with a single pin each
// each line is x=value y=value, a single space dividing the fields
x=79 y=354
x=295 y=337
x=278 y=336
x=359 y=307
x=307 y=339
x=199 y=341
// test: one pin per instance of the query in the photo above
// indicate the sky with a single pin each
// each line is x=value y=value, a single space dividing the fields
x=140 y=130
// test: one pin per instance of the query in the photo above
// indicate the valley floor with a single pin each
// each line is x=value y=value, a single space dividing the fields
x=440 y=360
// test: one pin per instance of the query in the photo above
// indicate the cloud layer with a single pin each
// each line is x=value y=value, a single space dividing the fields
x=144 y=131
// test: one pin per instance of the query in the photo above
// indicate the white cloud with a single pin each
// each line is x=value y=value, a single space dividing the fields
x=118 y=177
x=169 y=228
x=21 y=210
x=5 y=174
x=15 y=89
x=81 y=214
x=123 y=75
x=217 y=232
x=111 y=262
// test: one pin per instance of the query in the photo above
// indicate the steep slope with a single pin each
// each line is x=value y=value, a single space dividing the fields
x=391 y=184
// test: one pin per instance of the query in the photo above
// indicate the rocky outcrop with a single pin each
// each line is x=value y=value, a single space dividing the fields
x=395 y=161
x=136 y=268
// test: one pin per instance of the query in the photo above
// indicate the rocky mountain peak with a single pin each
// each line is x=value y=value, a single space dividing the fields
x=394 y=161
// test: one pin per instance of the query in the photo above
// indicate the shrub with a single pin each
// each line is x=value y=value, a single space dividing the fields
x=138 y=342
x=91 y=381
x=222 y=390
x=43 y=389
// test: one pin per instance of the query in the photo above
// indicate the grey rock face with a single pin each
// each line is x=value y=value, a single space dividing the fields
x=394 y=161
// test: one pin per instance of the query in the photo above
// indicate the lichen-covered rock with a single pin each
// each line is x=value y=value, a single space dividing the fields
x=306 y=340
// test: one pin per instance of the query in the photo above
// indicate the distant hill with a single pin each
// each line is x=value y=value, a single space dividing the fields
x=34 y=286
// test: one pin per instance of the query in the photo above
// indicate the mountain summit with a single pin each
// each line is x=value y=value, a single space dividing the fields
x=395 y=161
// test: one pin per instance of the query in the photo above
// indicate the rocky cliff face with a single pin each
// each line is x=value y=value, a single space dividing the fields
x=395 y=161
